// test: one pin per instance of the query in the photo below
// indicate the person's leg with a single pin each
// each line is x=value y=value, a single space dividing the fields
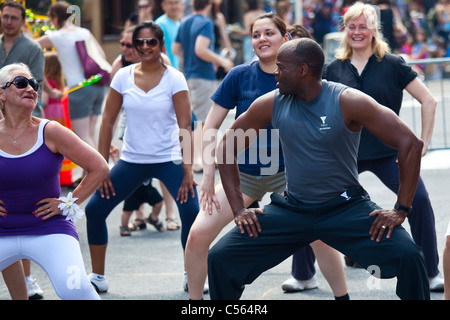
x=129 y=205
x=170 y=213
x=421 y=219
x=155 y=200
x=12 y=268
x=171 y=175
x=81 y=127
x=156 y=209
x=34 y=290
x=423 y=228
x=200 y=91
x=139 y=214
x=399 y=257
x=236 y=259
x=60 y=257
x=146 y=193
x=14 y=278
x=196 y=139
x=124 y=220
x=125 y=178
x=85 y=105
x=93 y=120
x=446 y=264
x=203 y=232
x=303 y=264
x=330 y=264
x=303 y=270
x=346 y=228
x=26 y=267
x=135 y=202
x=98 y=96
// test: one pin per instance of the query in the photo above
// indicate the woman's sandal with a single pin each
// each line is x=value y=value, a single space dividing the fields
x=137 y=224
x=156 y=223
x=125 y=231
x=172 y=225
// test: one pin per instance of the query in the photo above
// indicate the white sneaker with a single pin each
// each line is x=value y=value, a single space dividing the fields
x=34 y=291
x=99 y=282
x=294 y=285
x=185 y=285
x=437 y=283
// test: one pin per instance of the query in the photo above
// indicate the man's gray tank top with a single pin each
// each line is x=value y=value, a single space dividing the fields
x=320 y=151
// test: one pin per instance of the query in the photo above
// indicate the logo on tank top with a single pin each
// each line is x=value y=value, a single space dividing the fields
x=344 y=195
x=324 y=125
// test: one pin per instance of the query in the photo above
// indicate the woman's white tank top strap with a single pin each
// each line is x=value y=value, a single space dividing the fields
x=37 y=145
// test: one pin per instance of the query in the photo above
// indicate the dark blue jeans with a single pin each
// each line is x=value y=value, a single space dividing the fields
x=126 y=178
x=421 y=220
x=236 y=259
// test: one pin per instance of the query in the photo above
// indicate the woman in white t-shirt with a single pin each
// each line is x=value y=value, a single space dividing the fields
x=156 y=102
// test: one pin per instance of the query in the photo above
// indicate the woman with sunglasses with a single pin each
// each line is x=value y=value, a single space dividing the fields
x=128 y=57
x=35 y=222
x=156 y=101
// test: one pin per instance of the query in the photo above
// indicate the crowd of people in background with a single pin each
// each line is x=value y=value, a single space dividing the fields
x=415 y=29
x=194 y=53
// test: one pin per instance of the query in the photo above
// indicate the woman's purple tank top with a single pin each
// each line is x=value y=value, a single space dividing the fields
x=25 y=180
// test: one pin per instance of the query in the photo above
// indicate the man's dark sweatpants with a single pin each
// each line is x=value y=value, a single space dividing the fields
x=343 y=223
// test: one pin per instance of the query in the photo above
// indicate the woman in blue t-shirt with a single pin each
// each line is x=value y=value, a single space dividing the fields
x=262 y=166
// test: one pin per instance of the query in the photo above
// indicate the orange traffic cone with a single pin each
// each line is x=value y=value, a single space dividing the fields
x=65 y=176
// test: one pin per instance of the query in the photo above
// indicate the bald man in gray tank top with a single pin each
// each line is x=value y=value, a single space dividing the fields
x=319 y=126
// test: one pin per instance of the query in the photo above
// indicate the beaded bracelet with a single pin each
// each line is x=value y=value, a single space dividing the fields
x=70 y=209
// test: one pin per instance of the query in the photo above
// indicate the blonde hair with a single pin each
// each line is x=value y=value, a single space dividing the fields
x=7 y=74
x=379 y=46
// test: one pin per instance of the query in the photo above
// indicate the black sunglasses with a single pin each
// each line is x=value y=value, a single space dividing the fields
x=149 y=41
x=22 y=82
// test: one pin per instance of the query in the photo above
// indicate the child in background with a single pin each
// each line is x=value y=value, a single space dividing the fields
x=146 y=193
x=53 y=108
x=419 y=49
